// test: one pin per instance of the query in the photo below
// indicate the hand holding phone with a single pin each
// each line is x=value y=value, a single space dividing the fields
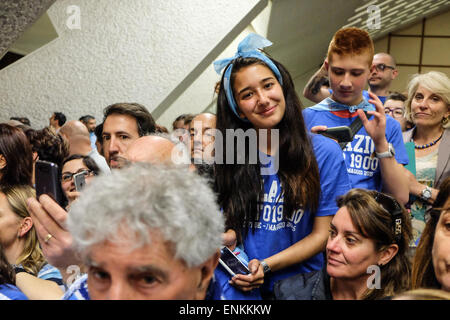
x=231 y=263
x=340 y=134
x=47 y=180
x=80 y=181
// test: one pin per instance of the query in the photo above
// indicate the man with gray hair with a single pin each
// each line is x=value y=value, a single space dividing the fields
x=161 y=241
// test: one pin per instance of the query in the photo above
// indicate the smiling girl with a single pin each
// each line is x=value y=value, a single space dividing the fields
x=279 y=207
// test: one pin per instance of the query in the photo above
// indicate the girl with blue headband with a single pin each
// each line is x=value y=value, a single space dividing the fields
x=280 y=206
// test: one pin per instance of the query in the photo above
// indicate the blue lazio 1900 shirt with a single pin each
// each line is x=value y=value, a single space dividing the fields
x=363 y=170
x=273 y=234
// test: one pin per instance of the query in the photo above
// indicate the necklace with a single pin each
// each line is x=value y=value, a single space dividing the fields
x=428 y=144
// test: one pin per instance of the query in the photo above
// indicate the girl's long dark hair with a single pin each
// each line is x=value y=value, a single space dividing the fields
x=240 y=187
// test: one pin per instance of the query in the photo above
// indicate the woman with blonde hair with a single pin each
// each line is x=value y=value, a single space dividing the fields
x=428 y=107
x=34 y=276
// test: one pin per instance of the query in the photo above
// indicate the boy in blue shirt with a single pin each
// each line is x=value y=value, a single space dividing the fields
x=376 y=156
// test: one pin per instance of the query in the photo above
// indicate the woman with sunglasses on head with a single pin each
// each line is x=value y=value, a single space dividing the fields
x=73 y=165
x=278 y=193
x=366 y=253
x=428 y=107
x=431 y=266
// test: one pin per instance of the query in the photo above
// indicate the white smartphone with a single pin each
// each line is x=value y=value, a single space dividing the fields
x=231 y=263
x=79 y=180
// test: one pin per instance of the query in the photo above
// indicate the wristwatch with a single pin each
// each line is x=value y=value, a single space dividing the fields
x=18 y=268
x=387 y=154
x=426 y=193
x=266 y=268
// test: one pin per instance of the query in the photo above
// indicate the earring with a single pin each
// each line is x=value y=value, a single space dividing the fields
x=445 y=121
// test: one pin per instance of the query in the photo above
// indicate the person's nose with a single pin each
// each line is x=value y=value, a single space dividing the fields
x=113 y=145
x=346 y=82
x=333 y=245
x=263 y=98
x=118 y=291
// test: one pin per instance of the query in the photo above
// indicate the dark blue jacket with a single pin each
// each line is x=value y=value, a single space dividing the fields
x=314 y=285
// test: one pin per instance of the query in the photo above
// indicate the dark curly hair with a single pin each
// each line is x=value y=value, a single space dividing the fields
x=50 y=146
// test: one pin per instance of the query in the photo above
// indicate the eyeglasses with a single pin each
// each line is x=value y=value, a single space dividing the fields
x=382 y=67
x=396 y=113
x=66 y=177
x=393 y=207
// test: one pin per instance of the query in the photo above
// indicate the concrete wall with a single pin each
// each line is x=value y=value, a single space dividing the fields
x=148 y=52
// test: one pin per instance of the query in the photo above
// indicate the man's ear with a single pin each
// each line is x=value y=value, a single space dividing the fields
x=326 y=64
x=25 y=226
x=207 y=272
x=388 y=254
x=35 y=156
x=394 y=74
x=2 y=162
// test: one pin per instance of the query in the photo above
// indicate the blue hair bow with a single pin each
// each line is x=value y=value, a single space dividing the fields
x=247 y=48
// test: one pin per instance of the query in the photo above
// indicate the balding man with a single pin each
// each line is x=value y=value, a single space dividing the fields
x=152 y=149
x=384 y=71
x=202 y=129
x=77 y=135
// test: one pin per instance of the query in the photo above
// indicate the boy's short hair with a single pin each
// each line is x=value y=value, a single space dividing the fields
x=351 y=41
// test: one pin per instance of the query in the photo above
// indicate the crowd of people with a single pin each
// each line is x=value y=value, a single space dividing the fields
x=146 y=213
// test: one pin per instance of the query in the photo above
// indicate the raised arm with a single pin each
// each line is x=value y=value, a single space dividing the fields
x=314 y=90
x=395 y=181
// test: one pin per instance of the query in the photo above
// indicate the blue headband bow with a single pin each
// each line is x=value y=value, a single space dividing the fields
x=248 y=48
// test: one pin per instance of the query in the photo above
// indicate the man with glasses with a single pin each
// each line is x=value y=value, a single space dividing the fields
x=382 y=72
x=395 y=107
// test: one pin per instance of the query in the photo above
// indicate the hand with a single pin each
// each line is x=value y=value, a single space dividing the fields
x=250 y=281
x=229 y=239
x=49 y=218
x=376 y=128
x=318 y=129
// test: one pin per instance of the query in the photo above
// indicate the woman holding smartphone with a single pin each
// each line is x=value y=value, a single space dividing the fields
x=279 y=206
x=82 y=168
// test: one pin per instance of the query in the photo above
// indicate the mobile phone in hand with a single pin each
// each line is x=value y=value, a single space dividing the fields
x=341 y=134
x=231 y=263
x=80 y=181
x=47 y=180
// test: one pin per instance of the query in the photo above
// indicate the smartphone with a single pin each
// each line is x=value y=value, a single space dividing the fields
x=79 y=180
x=231 y=263
x=341 y=134
x=47 y=180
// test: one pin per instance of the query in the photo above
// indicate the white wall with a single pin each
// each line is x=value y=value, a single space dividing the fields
x=126 y=51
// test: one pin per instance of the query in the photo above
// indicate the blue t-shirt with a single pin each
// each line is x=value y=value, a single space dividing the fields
x=78 y=290
x=364 y=171
x=11 y=292
x=273 y=234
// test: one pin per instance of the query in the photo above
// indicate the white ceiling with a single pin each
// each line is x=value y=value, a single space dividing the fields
x=302 y=29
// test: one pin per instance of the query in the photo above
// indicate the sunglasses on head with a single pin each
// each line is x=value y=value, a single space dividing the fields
x=382 y=67
x=391 y=205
